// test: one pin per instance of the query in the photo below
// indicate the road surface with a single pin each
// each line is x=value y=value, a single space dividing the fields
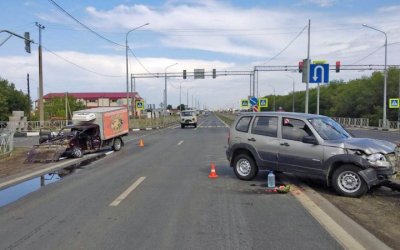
x=160 y=197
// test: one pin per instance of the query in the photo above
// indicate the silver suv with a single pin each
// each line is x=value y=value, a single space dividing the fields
x=309 y=144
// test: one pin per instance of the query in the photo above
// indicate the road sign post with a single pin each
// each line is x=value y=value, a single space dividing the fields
x=319 y=73
x=262 y=103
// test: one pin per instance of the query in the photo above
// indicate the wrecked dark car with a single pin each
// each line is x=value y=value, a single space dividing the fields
x=92 y=130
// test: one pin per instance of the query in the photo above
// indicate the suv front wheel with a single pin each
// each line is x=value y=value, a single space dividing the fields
x=347 y=182
x=245 y=168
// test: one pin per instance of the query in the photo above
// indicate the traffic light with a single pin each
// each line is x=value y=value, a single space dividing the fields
x=301 y=65
x=214 y=73
x=27 y=42
x=184 y=74
x=337 y=66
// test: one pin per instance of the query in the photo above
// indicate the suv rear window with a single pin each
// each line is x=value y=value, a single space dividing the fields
x=243 y=124
x=265 y=125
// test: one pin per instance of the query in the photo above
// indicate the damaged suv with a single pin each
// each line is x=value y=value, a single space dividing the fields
x=311 y=145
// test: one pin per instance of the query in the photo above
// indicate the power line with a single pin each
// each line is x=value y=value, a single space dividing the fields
x=373 y=52
x=140 y=63
x=79 y=66
x=287 y=46
x=85 y=26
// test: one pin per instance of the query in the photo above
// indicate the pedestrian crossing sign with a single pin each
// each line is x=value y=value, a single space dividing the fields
x=139 y=105
x=244 y=104
x=263 y=102
x=394 y=103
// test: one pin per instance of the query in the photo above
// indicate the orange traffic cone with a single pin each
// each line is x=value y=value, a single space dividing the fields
x=213 y=173
x=141 y=143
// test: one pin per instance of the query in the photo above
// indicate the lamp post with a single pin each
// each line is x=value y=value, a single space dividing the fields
x=165 y=89
x=293 y=92
x=385 y=76
x=127 y=69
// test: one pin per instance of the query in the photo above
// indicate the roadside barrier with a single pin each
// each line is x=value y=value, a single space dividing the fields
x=352 y=122
x=6 y=141
x=30 y=126
x=391 y=124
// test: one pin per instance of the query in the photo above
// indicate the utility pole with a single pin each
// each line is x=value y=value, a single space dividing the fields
x=41 y=107
x=29 y=97
x=308 y=66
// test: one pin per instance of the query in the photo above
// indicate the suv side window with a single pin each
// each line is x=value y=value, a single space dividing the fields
x=243 y=124
x=265 y=125
x=293 y=129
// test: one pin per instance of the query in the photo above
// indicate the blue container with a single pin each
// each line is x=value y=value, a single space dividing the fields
x=271 y=179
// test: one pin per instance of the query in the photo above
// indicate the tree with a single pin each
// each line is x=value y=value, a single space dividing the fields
x=11 y=100
x=169 y=106
x=181 y=107
x=55 y=107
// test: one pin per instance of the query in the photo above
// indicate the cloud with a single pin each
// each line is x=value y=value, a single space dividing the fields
x=321 y=3
x=216 y=34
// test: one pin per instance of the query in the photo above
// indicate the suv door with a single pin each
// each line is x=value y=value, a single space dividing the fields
x=294 y=154
x=263 y=136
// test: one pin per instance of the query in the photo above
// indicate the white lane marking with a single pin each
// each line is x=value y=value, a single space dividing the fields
x=179 y=143
x=200 y=125
x=127 y=192
x=222 y=121
x=338 y=232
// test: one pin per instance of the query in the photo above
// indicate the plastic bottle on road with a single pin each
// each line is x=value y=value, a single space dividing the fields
x=271 y=179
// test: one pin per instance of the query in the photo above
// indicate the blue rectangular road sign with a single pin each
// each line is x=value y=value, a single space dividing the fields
x=319 y=73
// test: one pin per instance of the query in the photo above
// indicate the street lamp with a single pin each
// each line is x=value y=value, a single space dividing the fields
x=165 y=89
x=127 y=69
x=385 y=76
x=293 y=92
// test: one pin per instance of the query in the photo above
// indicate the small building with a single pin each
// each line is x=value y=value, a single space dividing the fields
x=97 y=99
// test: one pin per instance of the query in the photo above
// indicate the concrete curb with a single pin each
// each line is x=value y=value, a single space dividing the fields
x=19 y=178
x=346 y=231
x=25 y=134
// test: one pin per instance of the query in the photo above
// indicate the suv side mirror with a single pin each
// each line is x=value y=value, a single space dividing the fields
x=310 y=140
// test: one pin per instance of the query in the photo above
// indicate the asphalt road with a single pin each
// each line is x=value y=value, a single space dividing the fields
x=172 y=203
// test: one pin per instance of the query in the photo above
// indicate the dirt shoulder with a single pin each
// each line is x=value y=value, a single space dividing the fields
x=14 y=164
x=378 y=211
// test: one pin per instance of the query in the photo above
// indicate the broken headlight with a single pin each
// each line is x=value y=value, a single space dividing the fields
x=378 y=160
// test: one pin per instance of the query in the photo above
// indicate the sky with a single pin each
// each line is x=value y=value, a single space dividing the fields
x=236 y=35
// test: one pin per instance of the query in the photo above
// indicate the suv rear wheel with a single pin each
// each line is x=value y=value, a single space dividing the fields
x=347 y=182
x=245 y=168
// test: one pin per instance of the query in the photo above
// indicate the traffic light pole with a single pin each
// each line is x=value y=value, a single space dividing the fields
x=41 y=107
x=308 y=67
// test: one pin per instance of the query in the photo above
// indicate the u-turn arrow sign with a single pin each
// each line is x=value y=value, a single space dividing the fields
x=319 y=73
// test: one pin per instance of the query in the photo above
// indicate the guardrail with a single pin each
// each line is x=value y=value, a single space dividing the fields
x=391 y=124
x=352 y=122
x=29 y=126
x=143 y=123
x=6 y=141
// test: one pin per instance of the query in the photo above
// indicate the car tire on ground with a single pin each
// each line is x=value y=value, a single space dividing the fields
x=117 y=145
x=244 y=167
x=182 y=126
x=195 y=125
x=347 y=182
x=77 y=152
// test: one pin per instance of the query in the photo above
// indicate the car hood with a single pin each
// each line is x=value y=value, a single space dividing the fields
x=369 y=146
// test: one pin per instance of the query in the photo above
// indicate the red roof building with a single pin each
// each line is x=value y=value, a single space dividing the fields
x=98 y=99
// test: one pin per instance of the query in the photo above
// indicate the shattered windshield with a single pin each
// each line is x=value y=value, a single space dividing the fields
x=328 y=129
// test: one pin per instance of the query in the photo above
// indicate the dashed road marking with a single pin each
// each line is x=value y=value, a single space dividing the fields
x=179 y=143
x=125 y=194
